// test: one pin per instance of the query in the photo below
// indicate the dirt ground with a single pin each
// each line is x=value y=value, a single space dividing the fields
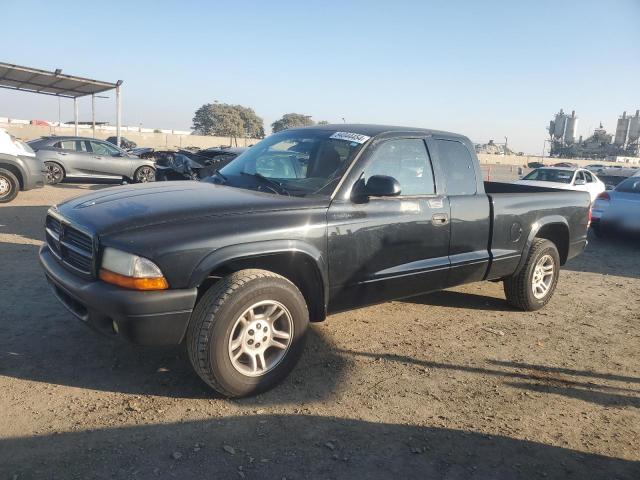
x=452 y=385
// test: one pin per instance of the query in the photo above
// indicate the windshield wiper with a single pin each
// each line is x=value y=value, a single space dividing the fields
x=267 y=181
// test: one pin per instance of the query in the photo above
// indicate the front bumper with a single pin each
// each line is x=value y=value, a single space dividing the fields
x=146 y=318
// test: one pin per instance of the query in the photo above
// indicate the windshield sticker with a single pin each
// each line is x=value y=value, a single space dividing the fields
x=350 y=137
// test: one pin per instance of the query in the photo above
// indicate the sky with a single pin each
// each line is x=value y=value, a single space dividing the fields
x=487 y=69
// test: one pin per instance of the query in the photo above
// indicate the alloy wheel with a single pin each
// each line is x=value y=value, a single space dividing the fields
x=542 y=276
x=260 y=338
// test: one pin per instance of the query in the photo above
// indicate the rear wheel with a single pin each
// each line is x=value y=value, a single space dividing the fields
x=533 y=286
x=145 y=174
x=9 y=186
x=247 y=332
x=55 y=172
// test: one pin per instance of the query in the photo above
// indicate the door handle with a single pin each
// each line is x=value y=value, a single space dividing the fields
x=62 y=153
x=439 y=219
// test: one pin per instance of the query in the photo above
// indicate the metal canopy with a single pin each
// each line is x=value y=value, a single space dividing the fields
x=34 y=80
x=56 y=83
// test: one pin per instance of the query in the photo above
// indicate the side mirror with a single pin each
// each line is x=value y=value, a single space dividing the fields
x=376 y=186
x=579 y=182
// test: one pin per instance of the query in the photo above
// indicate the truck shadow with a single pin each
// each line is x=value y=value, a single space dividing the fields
x=453 y=299
x=540 y=378
x=305 y=446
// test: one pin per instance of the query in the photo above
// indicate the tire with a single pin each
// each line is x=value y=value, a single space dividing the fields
x=9 y=186
x=144 y=174
x=55 y=173
x=216 y=327
x=523 y=290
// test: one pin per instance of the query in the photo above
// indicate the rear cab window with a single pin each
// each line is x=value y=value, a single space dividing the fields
x=458 y=170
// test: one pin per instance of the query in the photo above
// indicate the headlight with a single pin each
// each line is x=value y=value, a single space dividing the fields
x=131 y=271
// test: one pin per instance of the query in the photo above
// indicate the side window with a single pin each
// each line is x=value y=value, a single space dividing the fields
x=589 y=177
x=458 y=169
x=81 y=146
x=579 y=176
x=407 y=161
x=103 y=149
x=65 y=145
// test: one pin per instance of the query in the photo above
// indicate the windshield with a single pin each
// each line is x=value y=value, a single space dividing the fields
x=630 y=185
x=295 y=162
x=550 y=175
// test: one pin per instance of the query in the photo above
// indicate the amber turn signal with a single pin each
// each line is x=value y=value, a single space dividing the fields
x=132 y=283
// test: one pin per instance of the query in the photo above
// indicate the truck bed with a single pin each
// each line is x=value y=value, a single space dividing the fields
x=521 y=212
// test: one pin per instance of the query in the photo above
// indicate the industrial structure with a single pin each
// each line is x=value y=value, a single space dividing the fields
x=625 y=143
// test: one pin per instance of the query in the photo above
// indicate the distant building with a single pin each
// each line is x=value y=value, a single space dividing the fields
x=563 y=130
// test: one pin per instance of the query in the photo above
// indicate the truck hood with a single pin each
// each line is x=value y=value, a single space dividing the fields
x=117 y=209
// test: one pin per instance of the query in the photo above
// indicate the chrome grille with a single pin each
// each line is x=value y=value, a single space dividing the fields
x=71 y=246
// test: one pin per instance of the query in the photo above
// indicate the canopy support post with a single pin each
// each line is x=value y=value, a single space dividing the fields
x=75 y=115
x=118 y=111
x=93 y=114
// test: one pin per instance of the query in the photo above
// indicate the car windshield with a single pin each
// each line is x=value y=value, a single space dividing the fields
x=630 y=185
x=295 y=162
x=550 y=175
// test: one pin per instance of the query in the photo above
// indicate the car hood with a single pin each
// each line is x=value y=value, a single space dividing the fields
x=117 y=209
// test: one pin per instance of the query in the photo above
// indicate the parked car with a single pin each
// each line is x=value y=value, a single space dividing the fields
x=612 y=176
x=189 y=165
x=308 y=222
x=535 y=165
x=618 y=210
x=125 y=143
x=566 y=179
x=565 y=165
x=83 y=158
x=595 y=167
x=19 y=167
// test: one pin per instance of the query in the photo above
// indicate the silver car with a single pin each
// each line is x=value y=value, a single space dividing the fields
x=82 y=158
x=618 y=210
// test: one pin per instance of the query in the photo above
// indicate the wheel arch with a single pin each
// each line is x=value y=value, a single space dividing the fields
x=554 y=228
x=300 y=263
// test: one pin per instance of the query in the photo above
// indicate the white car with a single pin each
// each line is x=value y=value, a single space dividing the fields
x=19 y=167
x=579 y=179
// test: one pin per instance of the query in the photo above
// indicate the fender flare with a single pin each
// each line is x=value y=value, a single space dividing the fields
x=243 y=251
x=535 y=228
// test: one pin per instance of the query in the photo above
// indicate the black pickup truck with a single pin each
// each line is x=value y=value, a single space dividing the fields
x=308 y=222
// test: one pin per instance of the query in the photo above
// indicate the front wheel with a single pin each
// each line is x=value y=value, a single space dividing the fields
x=9 y=186
x=533 y=286
x=145 y=174
x=247 y=332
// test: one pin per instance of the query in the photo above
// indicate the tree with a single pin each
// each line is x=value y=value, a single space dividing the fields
x=291 y=120
x=323 y=122
x=253 y=124
x=224 y=120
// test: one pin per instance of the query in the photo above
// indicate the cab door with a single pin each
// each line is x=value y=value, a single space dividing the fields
x=470 y=209
x=389 y=247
